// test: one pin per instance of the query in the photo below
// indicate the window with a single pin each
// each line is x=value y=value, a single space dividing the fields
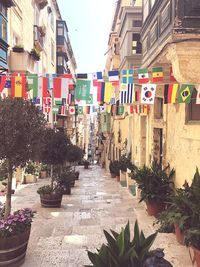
x=136 y=45
x=52 y=51
x=158 y=108
x=60 y=60
x=16 y=39
x=136 y=23
x=165 y=17
x=145 y=45
x=145 y=9
x=194 y=109
x=60 y=31
x=154 y=33
x=4 y=29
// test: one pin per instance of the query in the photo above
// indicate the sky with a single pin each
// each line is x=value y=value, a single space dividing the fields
x=89 y=24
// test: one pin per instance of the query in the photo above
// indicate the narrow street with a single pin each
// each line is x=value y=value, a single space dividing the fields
x=61 y=237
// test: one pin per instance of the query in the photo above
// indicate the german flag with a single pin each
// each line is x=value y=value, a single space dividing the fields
x=170 y=92
x=157 y=74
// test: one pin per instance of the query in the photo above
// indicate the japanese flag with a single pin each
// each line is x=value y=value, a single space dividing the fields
x=71 y=110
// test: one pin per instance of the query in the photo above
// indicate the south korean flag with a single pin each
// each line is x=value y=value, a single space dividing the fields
x=148 y=93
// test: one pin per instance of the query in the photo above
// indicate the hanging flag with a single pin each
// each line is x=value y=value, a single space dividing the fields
x=82 y=91
x=97 y=76
x=61 y=87
x=89 y=101
x=120 y=110
x=136 y=96
x=108 y=109
x=143 y=76
x=145 y=109
x=2 y=82
x=36 y=101
x=170 y=92
x=113 y=100
x=69 y=99
x=172 y=78
x=46 y=108
x=71 y=110
x=127 y=76
x=87 y=109
x=50 y=80
x=129 y=95
x=113 y=76
x=80 y=110
x=47 y=101
x=63 y=111
x=100 y=90
x=157 y=74
x=81 y=76
x=107 y=92
x=185 y=93
x=102 y=109
x=18 y=85
x=71 y=84
x=113 y=110
x=42 y=90
x=58 y=102
x=55 y=109
x=148 y=93
x=32 y=81
x=198 y=95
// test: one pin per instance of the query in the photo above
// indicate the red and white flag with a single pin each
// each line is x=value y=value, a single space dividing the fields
x=71 y=110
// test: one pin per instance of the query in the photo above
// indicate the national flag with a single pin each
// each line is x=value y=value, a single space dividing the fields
x=47 y=101
x=36 y=101
x=113 y=100
x=107 y=92
x=61 y=87
x=81 y=76
x=143 y=76
x=198 y=95
x=55 y=109
x=18 y=85
x=136 y=96
x=148 y=93
x=127 y=76
x=100 y=90
x=63 y=111
x=71 y=110
x=87 y=109
x=82 y=91
x=102 y=109
x=46 y=108
x=89 y=101
x=69 y=99
x=2 y=82
x=120 y=110
x=131 y=109
x=97 y=76
x=130 y=92
x=32 y=81
x=145 y=109
x=108 y=108
x=157 y=74
x=170 y=92
x=185 y=93
x=80 y=110
x=71 y=83
x=113 y=76
x=8 y=82
x=122 y=99
x=94 y=109
x=50 y=80
x=58 y=101
x=42 y=90
x=113 y=110
x=172 y=78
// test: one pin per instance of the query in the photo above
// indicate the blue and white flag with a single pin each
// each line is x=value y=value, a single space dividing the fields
x=50 y=78
x=113 y=76
x=97 y=76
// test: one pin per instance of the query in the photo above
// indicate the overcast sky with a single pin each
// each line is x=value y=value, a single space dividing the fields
x=89 y=25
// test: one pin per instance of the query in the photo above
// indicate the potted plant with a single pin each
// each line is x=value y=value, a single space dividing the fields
x=114 y=168
x=18 y=48
x=31 y=172
x=156 y=186
x=86 y=164
x=43 y=171
x=66 y=180
x=24 y=123
x=35 y=54
x=120 y=250
x=53 y=152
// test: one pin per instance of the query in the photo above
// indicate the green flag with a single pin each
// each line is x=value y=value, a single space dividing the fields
x=185 y=93
x=80 y=110
x=82 y=89
x=120 y=110
x=89 y=101
x=58 y=102
x=32 y=80
x=55 y=109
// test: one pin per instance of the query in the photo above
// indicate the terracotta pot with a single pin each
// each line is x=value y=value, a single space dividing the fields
x=51 y=200
x=154 y=207
x=196 y=256
x=13 y=249
x=179 y=235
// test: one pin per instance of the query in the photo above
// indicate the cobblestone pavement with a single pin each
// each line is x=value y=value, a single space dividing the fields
x=61 y=237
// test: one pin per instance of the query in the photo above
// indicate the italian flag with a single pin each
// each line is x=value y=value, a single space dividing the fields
x=143 y=76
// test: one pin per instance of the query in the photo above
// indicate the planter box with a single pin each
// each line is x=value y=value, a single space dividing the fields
x=29 y=179
x=51 y=200
x=21 y=62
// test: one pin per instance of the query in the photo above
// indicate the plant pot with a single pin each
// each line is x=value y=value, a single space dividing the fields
x=179 y=235
x=51 y=200
x=66 y=189
x=77 y=175
x=154 y=207
x=196 y=256
x=113 y=175
x=30 y=178
x=43 y=174
x=118 y=178
x=13 y=249
x=18 y=49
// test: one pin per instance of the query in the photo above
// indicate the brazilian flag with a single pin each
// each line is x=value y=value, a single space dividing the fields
x=89 y=101
x=80 y=110
x=120 y=110
x=185 y=93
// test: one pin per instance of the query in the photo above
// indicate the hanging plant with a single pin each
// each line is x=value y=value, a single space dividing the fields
x=35 y=54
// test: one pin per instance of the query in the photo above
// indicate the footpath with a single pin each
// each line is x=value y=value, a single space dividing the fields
x=61 y=237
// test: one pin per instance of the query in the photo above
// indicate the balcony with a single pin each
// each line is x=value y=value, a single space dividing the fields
x=38 y=38
x=62 y=60
x=170 y=29
x=21 y=62
x=62 y=37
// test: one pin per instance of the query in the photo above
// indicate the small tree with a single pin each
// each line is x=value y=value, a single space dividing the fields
x=74 y=154
x=54 y=149
x=21 y=125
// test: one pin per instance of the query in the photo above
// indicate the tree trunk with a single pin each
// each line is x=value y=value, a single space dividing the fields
x=8 y=193
x=52 y=176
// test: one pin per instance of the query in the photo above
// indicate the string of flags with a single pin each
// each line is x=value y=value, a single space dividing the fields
x=90 y=92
